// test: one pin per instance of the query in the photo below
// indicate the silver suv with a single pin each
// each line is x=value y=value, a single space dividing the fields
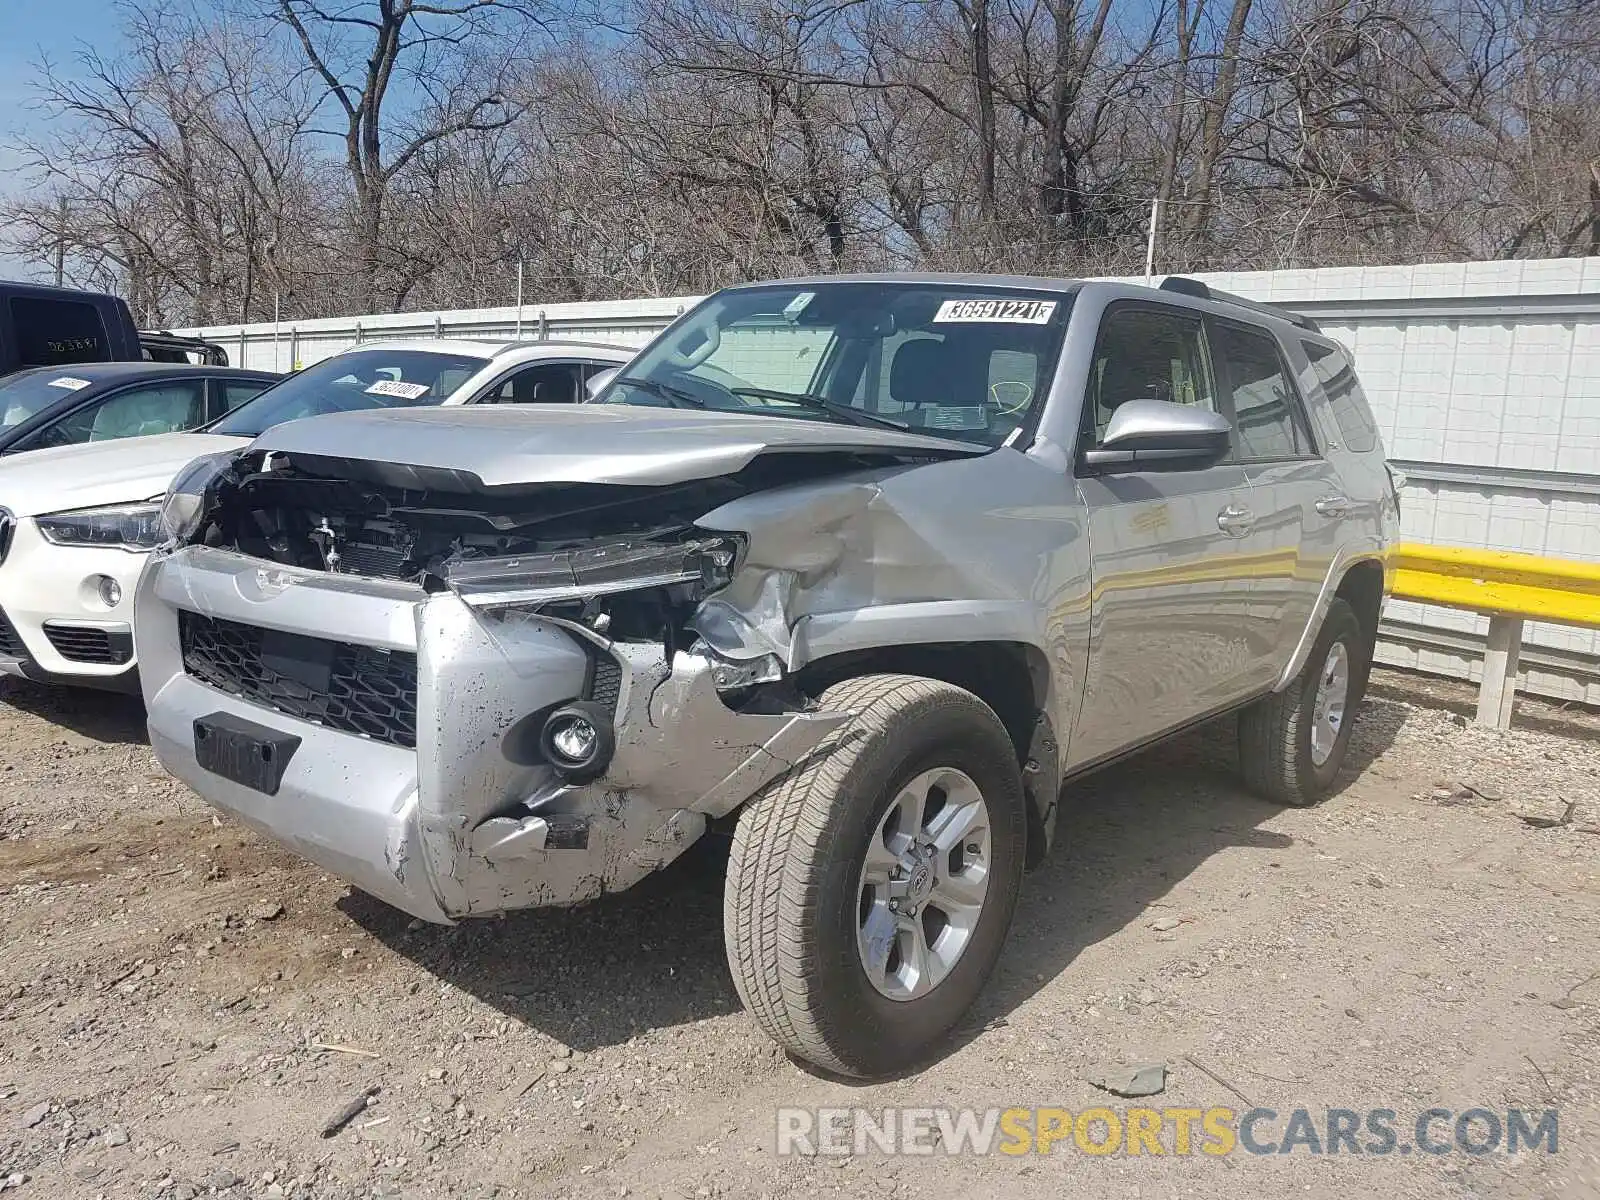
x=865 y=568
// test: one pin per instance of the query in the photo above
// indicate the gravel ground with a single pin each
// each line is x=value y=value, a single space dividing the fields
x=183 y=1005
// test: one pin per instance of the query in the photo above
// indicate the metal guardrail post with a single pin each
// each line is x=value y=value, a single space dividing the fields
x=1498 y=691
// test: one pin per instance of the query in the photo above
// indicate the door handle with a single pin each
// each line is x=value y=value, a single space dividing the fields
x=1336 y=507
x=1235 y=521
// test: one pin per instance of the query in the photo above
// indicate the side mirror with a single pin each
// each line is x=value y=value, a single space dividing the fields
x=597 y=382
x=1158 y=433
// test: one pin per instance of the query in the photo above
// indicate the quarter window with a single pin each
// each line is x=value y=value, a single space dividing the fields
x=1337 y=375
x=1148 y=354
x=1267 y=417
x=235 y=394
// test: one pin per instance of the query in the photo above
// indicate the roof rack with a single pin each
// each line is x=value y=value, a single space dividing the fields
x=1185 y=286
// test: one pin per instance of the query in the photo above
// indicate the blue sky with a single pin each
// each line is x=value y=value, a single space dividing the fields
x=28 y=27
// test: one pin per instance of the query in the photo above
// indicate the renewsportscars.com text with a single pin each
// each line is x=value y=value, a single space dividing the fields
x=1136 y=1131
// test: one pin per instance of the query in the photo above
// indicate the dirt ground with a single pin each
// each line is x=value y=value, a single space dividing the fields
x=169 y=984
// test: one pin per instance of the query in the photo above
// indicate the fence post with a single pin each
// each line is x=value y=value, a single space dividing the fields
x=1498 y=691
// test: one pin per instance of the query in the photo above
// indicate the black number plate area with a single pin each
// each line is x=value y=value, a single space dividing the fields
x=244 y=752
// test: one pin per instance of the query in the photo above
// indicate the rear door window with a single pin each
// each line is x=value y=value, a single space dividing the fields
x=1268 y=418
x=50 y=332
x=1351 y=412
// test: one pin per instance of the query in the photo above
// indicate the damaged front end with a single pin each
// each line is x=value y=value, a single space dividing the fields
x=496 y=697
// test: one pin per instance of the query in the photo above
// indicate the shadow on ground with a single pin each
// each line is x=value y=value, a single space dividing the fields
x=652 y=957
x=111 y=717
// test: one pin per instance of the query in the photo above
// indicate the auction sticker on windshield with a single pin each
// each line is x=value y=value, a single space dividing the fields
x=393 y=387
x=70 y=382
x=1015 y=312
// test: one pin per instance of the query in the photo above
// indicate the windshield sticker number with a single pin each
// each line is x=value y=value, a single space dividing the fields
x=70 y=382
x=1010 y=312
x=393 y=387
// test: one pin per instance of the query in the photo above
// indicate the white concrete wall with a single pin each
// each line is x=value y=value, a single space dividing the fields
x=1489 y=372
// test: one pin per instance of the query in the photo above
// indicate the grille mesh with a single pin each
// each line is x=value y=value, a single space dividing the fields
x=370 y=692
x=606 y=685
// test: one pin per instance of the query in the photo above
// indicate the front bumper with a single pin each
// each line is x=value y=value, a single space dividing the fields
x=54 y=625
x=462 y=824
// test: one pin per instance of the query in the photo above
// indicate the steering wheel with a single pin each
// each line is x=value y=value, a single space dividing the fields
x=1024 y=394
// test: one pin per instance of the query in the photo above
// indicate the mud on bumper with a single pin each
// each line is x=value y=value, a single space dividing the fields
x=449 y=809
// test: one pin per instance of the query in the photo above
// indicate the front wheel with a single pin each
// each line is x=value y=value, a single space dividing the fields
x=1292 y=743
x=869 y=892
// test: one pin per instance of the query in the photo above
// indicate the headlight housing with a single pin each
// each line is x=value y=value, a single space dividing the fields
x=132 y=527
x=700 y=566
x=184 y=506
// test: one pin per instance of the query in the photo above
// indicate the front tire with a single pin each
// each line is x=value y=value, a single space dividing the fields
x=869 y=891
x=1292 y=743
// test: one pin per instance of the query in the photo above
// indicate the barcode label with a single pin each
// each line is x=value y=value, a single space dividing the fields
x=1014 y=312
x=393 y=387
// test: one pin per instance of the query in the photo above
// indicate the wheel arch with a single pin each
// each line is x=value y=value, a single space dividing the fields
x=1359 y=578
x=1012 y=678
x=1361 y=587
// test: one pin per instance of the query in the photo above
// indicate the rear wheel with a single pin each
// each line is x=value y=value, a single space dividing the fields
x=869 y=892
x=1292 y=743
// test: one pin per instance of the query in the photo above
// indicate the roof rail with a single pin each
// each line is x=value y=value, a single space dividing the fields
x=1184 y=286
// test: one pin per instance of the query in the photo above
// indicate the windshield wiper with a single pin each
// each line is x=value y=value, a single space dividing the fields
x=676 y=396
x=855 y=416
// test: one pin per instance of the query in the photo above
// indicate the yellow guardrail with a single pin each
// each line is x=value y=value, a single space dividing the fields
x=1499 y=582
x=1510 y=588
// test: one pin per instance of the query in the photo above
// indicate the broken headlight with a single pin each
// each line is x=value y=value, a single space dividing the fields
x=183 y=508
x=702 y=566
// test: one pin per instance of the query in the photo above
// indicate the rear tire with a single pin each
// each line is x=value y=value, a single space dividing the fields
x=909 y=818
x=1292 y=743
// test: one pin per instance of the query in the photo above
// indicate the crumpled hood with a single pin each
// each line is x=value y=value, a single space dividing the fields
x=582 y=443
x=122 y=471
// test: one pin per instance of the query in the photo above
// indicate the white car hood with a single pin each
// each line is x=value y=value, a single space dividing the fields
x=122 y=471
x=502 y=444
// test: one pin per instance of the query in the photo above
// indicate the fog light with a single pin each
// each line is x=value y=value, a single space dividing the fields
x=575 y=739
x=578 y=741
x=110 y=591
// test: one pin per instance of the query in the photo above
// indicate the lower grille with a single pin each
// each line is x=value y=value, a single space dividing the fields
x=85 y=644
x=354 y=689
x=10 y=640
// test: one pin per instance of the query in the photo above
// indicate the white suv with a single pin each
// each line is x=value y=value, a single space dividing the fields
x=77 y=523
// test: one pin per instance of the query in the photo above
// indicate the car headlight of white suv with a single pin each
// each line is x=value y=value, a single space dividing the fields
x=132 y=527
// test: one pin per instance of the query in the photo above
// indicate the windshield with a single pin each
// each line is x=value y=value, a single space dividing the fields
x=353 y=380
x=25 y=396
x=965 y=362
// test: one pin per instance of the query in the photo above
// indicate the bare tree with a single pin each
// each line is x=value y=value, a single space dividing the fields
x=411 y=153
x=455 y=55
